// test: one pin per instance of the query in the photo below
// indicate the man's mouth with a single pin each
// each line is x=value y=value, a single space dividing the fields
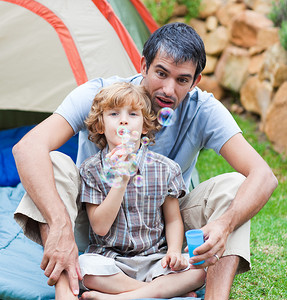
x=164 y=102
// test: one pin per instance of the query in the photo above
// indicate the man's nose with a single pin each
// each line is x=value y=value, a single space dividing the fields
x=169 y=88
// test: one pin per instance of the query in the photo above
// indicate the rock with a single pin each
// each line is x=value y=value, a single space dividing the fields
x=237 y=109
x=198 y=26
x=227 y=11
x=208 y=8
x=211 y=62
x=274 y=67
x=256 y=63
x=211 y=23
x=276 y=120
x=245 y=27
x=179 y=10
x=232 y=68
x=260 y=6
x=210 y=84
x=255 y=96
x=216 y=41
x=267 y=37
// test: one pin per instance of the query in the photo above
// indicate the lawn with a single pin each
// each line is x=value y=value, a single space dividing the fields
x=267 y=278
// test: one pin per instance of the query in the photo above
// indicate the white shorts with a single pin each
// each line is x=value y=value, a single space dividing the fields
x=142 y=268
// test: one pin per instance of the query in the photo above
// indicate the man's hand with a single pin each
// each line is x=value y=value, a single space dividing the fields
x=215 y=236
x=61 y=253
x=175 y=261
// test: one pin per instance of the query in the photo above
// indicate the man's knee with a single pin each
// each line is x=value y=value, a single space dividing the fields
x=221 y=193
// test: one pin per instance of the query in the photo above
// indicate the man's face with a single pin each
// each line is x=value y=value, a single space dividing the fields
x=168 y=82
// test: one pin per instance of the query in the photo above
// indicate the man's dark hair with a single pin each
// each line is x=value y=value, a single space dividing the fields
x=180 y=42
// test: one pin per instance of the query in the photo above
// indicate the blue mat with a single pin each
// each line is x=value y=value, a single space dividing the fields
x=8 y=138
x=20 y=274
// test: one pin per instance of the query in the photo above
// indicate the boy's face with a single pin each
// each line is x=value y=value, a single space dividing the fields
x=168 y=82
x=125 y=116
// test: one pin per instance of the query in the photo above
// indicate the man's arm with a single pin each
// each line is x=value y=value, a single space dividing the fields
x=252 y=195
x=36 y=173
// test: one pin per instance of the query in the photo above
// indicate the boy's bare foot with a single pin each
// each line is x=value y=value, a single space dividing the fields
x=190 y=294
x=94 y=295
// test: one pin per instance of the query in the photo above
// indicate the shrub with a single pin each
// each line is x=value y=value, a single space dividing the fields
x=161 y=10
x=278 y=15
x=283 y=35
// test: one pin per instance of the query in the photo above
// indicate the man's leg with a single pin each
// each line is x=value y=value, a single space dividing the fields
x=67 y=181
x=62 y=287
x=220 y=277
x=205 y=203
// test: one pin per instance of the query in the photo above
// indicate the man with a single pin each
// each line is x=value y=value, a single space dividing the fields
x=173 y=58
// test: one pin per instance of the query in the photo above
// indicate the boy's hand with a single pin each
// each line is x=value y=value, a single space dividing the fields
x=175 y=261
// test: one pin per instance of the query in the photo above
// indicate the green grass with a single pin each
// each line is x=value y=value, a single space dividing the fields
x=267 y=278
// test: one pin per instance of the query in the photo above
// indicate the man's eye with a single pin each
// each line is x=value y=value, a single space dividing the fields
x=161 y=74
x=183 y=80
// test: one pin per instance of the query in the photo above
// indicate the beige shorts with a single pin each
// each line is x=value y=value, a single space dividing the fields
x=205 y=203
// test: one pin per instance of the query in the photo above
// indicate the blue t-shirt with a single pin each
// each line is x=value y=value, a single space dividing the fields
x=201 y=122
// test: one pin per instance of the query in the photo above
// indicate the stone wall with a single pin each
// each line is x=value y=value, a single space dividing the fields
x=244 y=56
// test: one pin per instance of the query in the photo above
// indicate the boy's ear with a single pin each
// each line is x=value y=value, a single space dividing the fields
x=144 y=131
x=100 y=129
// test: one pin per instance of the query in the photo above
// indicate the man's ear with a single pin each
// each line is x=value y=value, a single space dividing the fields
x=143 y=66
x=196 y=82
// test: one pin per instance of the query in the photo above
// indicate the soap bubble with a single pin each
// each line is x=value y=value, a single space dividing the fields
x=122 y=130
x=111 y=178
x=135 y=135
x=166 y=116
x=149 y=158
x=145 y=140
x=138 y=181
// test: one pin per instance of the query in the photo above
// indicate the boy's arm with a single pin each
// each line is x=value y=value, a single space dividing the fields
x=102 y=216
x=174 y=230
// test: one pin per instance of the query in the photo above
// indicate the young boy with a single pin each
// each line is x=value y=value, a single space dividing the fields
x=136 y=230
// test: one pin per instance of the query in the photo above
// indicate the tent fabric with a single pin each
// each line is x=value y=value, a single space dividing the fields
x=122 y=32
x=53 y=46
x=145 y=15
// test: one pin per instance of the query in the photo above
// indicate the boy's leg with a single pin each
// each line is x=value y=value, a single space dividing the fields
x=167 y=286
x=205 y=203
x=112 y=284
x=67 y=180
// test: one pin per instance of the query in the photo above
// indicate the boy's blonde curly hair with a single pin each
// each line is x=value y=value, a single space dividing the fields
x=115 y=96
